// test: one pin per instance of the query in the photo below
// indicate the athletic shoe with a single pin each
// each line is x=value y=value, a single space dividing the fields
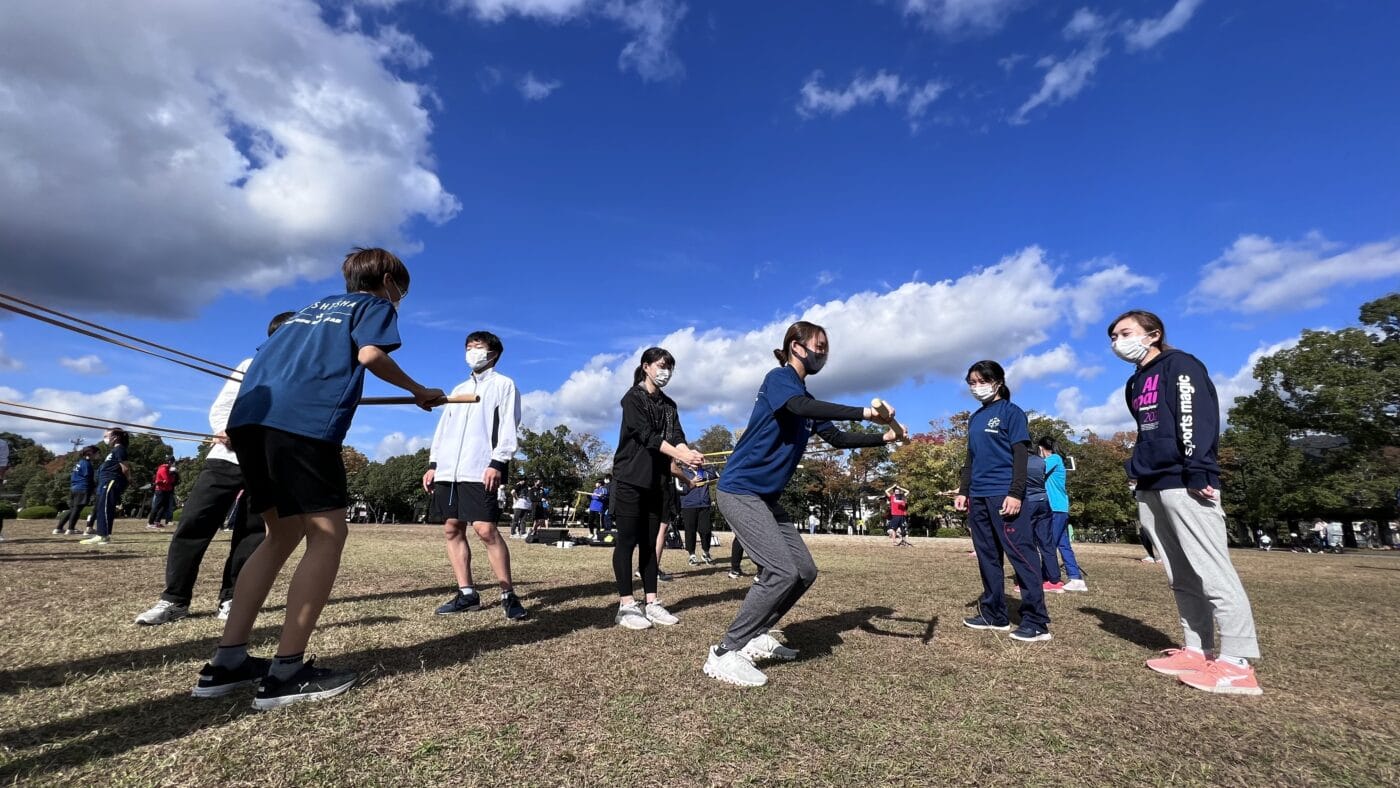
x=58 y=532
x=162 y=612
x=980 y=622
x=514 y=610
x=630 y=616
x=735 y=574
x=733 y=668
x=72 y=531
x=706 y=558
x=90 y=532
x=1029 y=633
x=1076 y=584
x=1147 y=559
x=1178 y=661
x=216 y=682
x=657 y=614
x=97 y=540
x=151 y=526
x=637 y=573
x=224 y=608
x=694 y=561
x=1052 y=588
x=308 y=683
x=664 y=577
x=460 y=603
x=766 y=646
x=1223 y=678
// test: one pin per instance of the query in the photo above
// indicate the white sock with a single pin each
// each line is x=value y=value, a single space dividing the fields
x=1239 y=662
x=507 y=593
x=465 y=589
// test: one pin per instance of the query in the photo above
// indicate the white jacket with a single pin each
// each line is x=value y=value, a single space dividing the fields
x=473 y=437
x=218 y=414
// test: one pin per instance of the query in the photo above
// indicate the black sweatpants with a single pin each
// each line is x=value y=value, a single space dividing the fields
x=162 y=507
x=637 y=517
x=213 y=495
x=76 y=502
x=696 y=520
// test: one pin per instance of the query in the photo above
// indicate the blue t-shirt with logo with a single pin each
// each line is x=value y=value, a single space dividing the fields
x=772 y=445
x=697 y=497
x=111 y=467
x=1055 y=484
x=307 y=378
x=81 y=479
x=991 y=433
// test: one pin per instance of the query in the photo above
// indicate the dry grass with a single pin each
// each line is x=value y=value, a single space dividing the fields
x=891 y=689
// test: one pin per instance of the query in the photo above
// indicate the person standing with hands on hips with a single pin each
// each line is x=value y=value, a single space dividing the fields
x=993 y=486
x=1173 y=401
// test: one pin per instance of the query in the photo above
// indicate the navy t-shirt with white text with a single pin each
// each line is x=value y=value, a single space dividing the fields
x=991 y=433
x=307 y=378
x=773 y=443
x=111 y=467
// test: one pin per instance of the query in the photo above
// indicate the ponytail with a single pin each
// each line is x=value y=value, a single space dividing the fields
x=650 y=356
x=991 y=372
x=800 y=332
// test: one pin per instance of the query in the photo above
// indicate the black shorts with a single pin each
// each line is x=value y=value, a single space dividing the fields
x=897 y=523
x=291 y=473
x=466 y=502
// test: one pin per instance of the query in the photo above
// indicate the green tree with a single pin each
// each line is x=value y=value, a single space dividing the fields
x=556 y=457
x=393 y=489
x=714 y=439
x=144 y=453
x=929 y=466
x=1098 y=487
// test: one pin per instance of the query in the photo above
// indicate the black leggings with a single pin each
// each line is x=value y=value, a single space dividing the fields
x=697 y=519
x=76 y=502
x=637 y=518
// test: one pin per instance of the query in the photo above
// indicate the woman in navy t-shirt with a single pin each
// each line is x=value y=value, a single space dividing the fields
x=783 y=419
x=993 y=485
x=113 y=476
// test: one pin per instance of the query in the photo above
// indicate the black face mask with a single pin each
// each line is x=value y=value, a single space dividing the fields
x=814 y=361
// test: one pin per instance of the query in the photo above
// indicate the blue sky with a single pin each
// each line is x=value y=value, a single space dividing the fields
x=937 y=181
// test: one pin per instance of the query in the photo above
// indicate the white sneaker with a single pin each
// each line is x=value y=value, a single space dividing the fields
x=1147 y=559
x=657 y=614
x=694 y=560
x=734 y=668
x=631 y=617
x=765 y=646
x=1076 y=584
x=98 y=540
x=162 y=612
x=706 y=558
x=224 y=607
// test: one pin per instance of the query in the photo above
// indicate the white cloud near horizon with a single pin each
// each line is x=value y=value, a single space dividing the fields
x=398 y=443
x=243 y=145
x=1258 y=274
x=956 y=17
x=1147 y=33
x=884 y=87
x=91 y=364
x=534 y=89
x=917 y=331
x=116 y=403
x=8 y=362
x=1055 y=361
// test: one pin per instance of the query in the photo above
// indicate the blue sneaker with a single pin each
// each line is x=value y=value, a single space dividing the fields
x=1030 y=633
x=980 y=622
x=460 y=603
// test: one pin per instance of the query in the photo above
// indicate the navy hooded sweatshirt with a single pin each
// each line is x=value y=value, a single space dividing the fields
x=1178 y=418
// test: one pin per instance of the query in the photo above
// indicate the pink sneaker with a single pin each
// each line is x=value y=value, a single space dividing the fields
x=1179 y=661
x=1052 y=588
x=1223 y=678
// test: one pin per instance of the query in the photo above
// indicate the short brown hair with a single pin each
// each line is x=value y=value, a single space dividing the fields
x=364 y=269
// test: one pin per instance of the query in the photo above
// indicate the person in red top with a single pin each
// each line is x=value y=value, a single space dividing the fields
x=163 y=503
x=899 y=511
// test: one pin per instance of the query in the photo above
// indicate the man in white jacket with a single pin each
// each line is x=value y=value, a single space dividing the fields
x=468 y=462
x=215 y=492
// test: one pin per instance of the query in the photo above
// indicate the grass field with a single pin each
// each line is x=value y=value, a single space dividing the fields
x=890 y=688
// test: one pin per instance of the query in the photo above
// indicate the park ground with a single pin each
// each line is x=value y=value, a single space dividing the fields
x=890 y=687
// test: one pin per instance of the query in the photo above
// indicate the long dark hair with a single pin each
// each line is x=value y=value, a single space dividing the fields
x=991 y=372
x=1048 y=443
x=650 y=356
x=800 y=332
x=1149 y=322
x=119 y=436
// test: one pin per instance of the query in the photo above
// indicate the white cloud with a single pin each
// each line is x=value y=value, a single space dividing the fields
x=244 y=145
x=1103 y=420
x=1147 y=33
x=1084 y=24
x=883 y=87
x=878 y=341
x=396 y=46
x=1008 y=63
x=85 y=365
x=534 y=89
x=1064 y=79
x=8 y=362
x=1257 y=274
x=113 y=404
x=952 y=17
x=1242 y=383
x=1052 y=362
x=1106 y=285
x=652 y=25
x=396 y=443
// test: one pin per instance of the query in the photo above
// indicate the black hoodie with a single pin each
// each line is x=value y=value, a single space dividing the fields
x=1178 y=417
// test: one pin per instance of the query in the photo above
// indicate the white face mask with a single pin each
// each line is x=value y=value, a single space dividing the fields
x=661 y=378
x=1131 y=349
x=477 y=358
x=984 y=392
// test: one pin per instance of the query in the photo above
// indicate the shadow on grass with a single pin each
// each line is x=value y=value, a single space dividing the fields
x=443 y=590
x=1131 y=629
x=926 y=637
x=816 y=637
x=67 y=557
x=1378 y=568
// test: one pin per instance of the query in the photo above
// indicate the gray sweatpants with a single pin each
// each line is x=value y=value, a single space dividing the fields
x=1190 y=537
x=786 y=568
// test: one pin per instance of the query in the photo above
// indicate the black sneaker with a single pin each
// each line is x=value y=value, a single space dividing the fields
x=460 y=603
x=978 y=622
x=216 y=682
x=308 y=683
x=1030 y=633
x=514 y=610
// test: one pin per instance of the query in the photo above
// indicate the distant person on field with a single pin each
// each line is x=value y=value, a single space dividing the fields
x=163 y=499
x=1056 y=492
x=82 y=483
x=113 y=477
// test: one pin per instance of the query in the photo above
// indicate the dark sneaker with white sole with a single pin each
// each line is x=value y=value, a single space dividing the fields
x=460 y=603
x=979 y=622
x=1030 y=633
x=309 y=683
x=514 y=610
x=216 y=682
